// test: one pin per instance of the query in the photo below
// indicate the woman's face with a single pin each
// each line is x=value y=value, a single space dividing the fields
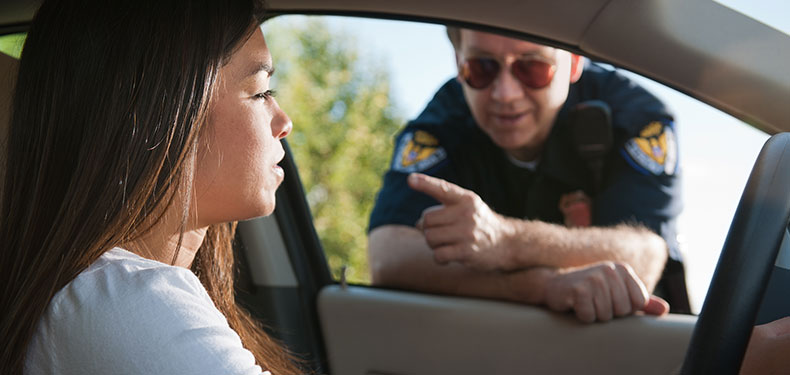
x=237 y=173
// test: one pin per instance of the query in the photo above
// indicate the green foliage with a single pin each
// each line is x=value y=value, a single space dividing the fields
x=343 y=127
x=11 y=44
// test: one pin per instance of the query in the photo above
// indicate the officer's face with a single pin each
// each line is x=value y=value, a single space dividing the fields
x=516 y=117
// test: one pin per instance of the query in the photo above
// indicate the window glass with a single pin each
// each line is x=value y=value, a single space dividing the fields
x=350 y=84
x=339 y=97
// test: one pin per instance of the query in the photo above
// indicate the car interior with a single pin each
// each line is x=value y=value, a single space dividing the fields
x=698 y=47
x=7 y=71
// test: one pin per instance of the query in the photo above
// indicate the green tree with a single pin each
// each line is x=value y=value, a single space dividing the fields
x=343 y=127
x=11 y=44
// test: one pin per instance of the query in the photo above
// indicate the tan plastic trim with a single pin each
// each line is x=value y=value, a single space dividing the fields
x=374 y=331
x=266 y=253
x=703 y=48
x=561 y=20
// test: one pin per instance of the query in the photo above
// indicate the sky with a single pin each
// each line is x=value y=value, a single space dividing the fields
x=716 y=151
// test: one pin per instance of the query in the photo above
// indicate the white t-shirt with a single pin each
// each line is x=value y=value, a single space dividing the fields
x=129 y=315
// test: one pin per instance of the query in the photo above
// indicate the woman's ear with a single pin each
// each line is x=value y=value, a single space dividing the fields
x=577 y=67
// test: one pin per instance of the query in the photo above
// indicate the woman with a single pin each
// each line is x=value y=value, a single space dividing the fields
x=140 y=131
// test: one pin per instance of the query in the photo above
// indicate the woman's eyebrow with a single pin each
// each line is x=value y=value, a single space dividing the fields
x=261 y=67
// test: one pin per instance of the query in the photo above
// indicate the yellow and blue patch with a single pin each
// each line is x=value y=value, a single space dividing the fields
x=654 y=151
x=417 y=152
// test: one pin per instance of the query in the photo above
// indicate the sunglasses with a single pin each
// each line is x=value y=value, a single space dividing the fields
x=480 y=72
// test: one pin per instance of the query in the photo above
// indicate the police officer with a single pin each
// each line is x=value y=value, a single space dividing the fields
x=488 y=196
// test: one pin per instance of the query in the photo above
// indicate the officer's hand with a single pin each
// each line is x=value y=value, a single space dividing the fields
x=463 y=228
x=601 y=291
x=768 y=348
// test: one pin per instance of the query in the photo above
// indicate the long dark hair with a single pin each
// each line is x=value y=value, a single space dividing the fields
x=108 y=108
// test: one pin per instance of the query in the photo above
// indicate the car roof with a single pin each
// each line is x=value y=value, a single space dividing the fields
x=699 y=47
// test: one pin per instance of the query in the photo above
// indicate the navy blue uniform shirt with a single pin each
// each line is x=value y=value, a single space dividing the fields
x=641 y=183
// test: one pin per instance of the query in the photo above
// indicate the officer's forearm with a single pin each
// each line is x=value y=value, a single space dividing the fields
x=400 y=258
x=535 y=244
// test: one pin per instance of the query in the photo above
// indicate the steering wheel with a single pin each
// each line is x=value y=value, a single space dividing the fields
x=725 y=323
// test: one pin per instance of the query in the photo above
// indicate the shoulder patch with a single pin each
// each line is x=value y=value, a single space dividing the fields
x=417 y=151
x=654 y=151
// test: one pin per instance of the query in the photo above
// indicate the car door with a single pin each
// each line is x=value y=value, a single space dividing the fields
x=347 y=327
x=342 y=327
x=351 y=329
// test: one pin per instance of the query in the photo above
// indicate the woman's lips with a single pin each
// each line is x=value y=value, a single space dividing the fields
x=278 y=171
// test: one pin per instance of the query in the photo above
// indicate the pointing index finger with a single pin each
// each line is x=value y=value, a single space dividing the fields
x=441 y=190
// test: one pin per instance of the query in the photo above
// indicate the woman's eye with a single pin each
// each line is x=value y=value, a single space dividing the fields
x=265 y=95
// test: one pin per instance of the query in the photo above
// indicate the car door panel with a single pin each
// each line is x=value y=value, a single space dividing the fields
x=376 y=331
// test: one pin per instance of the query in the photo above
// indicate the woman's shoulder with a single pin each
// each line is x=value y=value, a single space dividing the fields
x=120 y=279
x=125 y=311
x=124 y=264
x=123 y=269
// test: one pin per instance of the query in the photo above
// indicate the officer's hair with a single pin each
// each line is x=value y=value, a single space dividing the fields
x=454 y=34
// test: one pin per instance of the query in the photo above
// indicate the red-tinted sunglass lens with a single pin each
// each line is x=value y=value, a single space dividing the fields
x=534 y=74
x=480 y=72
